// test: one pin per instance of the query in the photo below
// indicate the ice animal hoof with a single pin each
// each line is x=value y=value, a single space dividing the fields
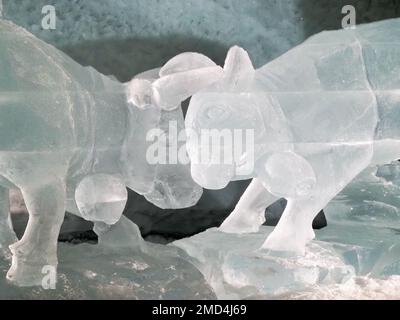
x=284 y=244
x=23 y=274
x=29 y=268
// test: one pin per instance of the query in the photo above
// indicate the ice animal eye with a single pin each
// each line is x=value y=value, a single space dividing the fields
x=217 y=113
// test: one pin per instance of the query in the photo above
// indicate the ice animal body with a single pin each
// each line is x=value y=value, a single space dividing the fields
x=321 y=113
x=71 y=138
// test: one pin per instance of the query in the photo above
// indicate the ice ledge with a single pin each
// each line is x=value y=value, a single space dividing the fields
x=236 y=269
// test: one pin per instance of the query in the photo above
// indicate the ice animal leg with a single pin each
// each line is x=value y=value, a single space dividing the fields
x=38 y=246
x=7 y=235
x=334 y=169
x=294 y=229
x=249 y=213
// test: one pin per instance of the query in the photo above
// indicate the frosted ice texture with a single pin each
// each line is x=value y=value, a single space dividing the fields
x=345 y=261
x=121 y=266
x=67 y=131
x=355 y=257
x=321 y=114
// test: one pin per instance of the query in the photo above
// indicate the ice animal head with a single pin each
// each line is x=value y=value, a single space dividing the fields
x=156 y=96
x=236 y=132
x=223 y=124
x=173 y=186
x=166 y=185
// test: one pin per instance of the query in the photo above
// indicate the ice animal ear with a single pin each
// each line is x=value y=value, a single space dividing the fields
x=288 y=175
x=183 y=76
x=238 y=69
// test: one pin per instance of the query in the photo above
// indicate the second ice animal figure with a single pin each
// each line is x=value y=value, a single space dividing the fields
x=321 y=114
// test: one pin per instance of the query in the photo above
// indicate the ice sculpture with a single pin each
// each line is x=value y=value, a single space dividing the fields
x=69 y=133
x=320 y=114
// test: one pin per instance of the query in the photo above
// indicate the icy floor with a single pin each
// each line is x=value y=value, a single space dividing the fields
x=121 y=266
x=332 y=268
x=345 y=262
x=357 y=256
